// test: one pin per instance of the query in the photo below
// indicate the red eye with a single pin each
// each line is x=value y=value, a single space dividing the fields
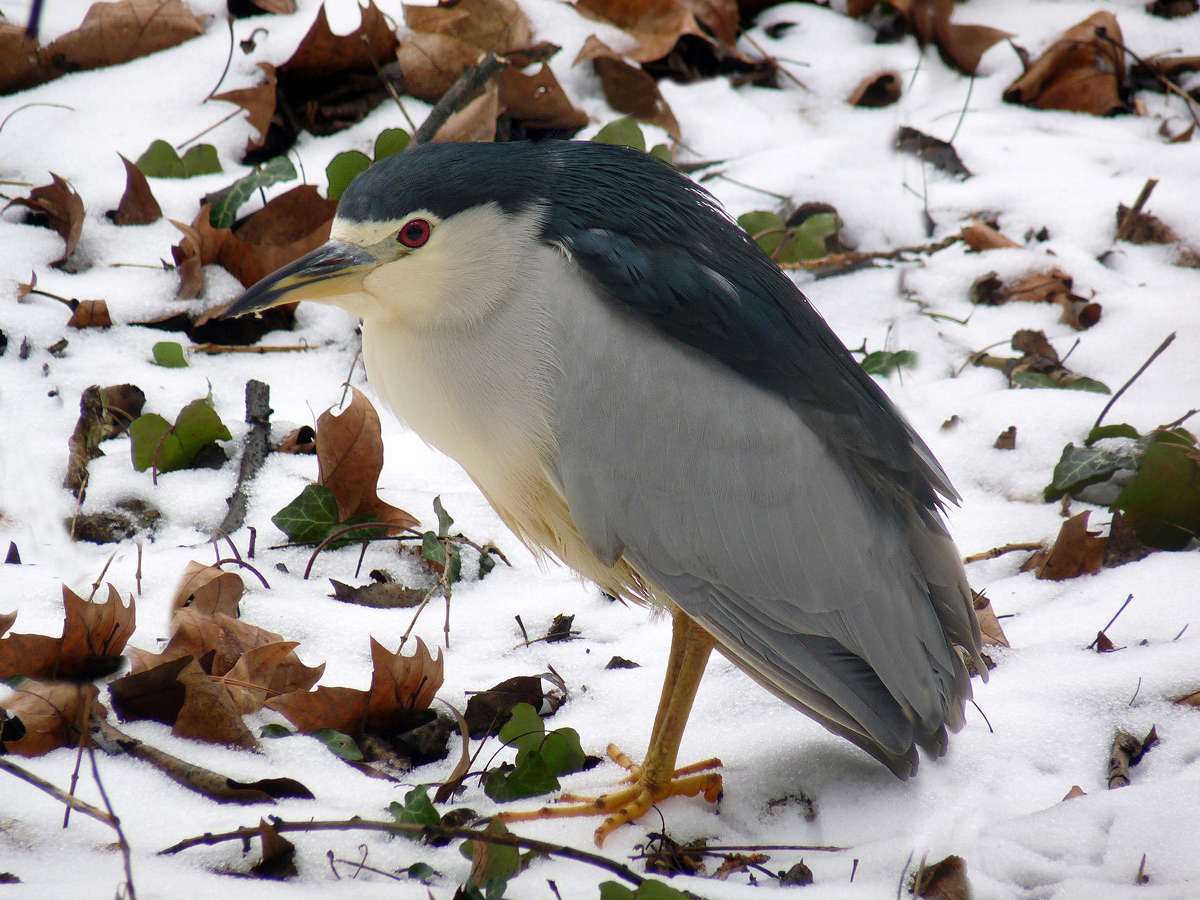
x=415 y=233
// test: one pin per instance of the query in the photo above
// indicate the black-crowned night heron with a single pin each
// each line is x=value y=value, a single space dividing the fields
x=640 y=392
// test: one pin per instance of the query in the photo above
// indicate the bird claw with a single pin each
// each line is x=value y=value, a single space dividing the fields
x=631 y=803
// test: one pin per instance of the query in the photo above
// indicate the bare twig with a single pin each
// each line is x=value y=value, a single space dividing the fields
x=464 y=90
x=216 y=349
x=254 y=454
x=1136 y=375
x=122 y=843
x=1128 y=600
x=841 y=259
x=1000 y=551
x=6 y=765
x=245 y=565
x=420 y=831
x=1132 y=213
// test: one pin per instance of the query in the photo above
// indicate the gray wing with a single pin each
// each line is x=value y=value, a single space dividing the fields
x=840 y=597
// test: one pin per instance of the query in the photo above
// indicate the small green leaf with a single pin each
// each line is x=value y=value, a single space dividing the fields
x=614 y=890
x=390 y=140
x=524 y=730
x=1087 y=384
x=422 y=872
x=767 y=229
x=169 y=355
x=201 y=160
x=884 y=362
x=1162 y=502
x=487 y=562
x=161 y=161
x=196 y=425
x=444 y=519
x=169 y=447
x=531 y=778
x=275 y=730
x=310 y=517
x=1080 y=466
x=807 y=240
x=343 y=169
x=663 y=152
x=146 y=433
x=625 y=132
x=433 y=548
x=647 y=890
x=341 y=744
x=491 y=872
x=562 y=752
x=417 y=808
x=1042 y=380
x=226 y=203
x=1101 y=432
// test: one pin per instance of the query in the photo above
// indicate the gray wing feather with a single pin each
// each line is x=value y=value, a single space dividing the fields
x=841 y=599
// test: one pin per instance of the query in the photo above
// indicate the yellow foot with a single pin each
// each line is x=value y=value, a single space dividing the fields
x=633 y=802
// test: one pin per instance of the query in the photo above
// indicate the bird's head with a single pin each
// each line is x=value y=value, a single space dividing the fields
x=428 y=237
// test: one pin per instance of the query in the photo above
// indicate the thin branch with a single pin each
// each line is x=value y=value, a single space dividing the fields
x=122 y=843
x=1000 y=551
x=1136 y=375
x=464 y=90
x=841 y=259
x=58 y=794
x=1132 y=213
x=420 y=831
x=1128 y=600
x=254 y=454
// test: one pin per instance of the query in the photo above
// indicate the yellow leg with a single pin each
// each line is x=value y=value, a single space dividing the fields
x=656 y=778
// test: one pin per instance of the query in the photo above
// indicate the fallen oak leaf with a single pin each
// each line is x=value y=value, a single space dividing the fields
x=115 y=33
x=268 y=671
x=137 y=206
x=208 y=712
x=93 y=633
x=486 y=25
x=323 y=54
x=194 y=634
x=655 y=25
x=1081 y=71
x=878 y=90
x=209 y=590
x=989 y=625
x=944 y=880
x=258 y=102
x=627 y=88
x=538 y=101
x=1076 y=551
x=51 y=713
x=62 y=208
x=433 y=62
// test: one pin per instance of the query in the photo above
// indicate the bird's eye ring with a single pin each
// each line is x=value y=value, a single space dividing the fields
x=415 y=233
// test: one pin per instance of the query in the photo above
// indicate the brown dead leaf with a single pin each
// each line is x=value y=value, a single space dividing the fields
x=115 y=33
x=1192 y=699
x=155 y=693
x=487 y=711
x=1081 y=71
x=209 y=590
x=880 y=89
x=52 y=713
x=959 y=46
x=431 y=63
x=1075 y=791
x=137 y=206
x=475 y=122
x=538 y=101
x=194 y=634
x=1123 y=545
x=389 y=595
x=323 y=54
x=989 y=625
x=208 y=712
x=277 y=854
x=627 y=88
x=62 y=208
x=90 y=314
x=938 y=153
x=302 y=440
x=402 y=682
x=497 y=25
x=258 y=102
x=93 y=633
x=656 y=25
x=276 y=7
x=945 y=880
x=980 y=236
x=340 y=708
x=350 y=458
x=1040 y=287
x=290 y=225
x=269 y=671
x=1076 y=551
x=22 y=66
x=719 y=16
x=1007 y=439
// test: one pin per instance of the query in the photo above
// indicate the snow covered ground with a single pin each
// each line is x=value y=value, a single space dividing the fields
x=1053 y=706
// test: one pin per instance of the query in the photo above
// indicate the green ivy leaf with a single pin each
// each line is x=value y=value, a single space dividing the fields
x=340 y=744
x=310 y=517
x=767 y=229
x=663 y=152
x=227 y=202
x=175 y=445
x=444 y=519
x=494 y=867
x=390 y=140
x=161 y=161
x=524 y=730
x=1162 y=502
x=444 y=554
x=1080 y=466
x=417 y=808
x=422 y=872
x=343 y=169
x=1041 y=380
x=807 y=240
x=624 y=132
x=1101 y=432
x=275 y=730
x=647 y=890
x=560 y=749
x=884 y=362
x=487 y=562
x=530 y=778
x=169 y=355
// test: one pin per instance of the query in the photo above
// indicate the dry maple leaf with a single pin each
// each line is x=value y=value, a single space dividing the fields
x=432 y=62
x=989 y=625
x=268 y=671
x=258 y=102
x=350 y=458
x=137 y=206
x=496 y=25
x=90 y=314
x=194 y=634
x=1081 y=71
x=208 y=590
x=1076 y=551
x=22 y=66
x=115 y=33
x=630 y=90
x=52 y=713
x=944 y=880
x=209 y=712
x=656 y=25
x=959 y=46
x=475 y=122
x=323 y=54
x=538 y=100
x=63 y=209
x=403 y=682
x=90 y=630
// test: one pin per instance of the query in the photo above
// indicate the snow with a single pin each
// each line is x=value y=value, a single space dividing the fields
x=1053 y=706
